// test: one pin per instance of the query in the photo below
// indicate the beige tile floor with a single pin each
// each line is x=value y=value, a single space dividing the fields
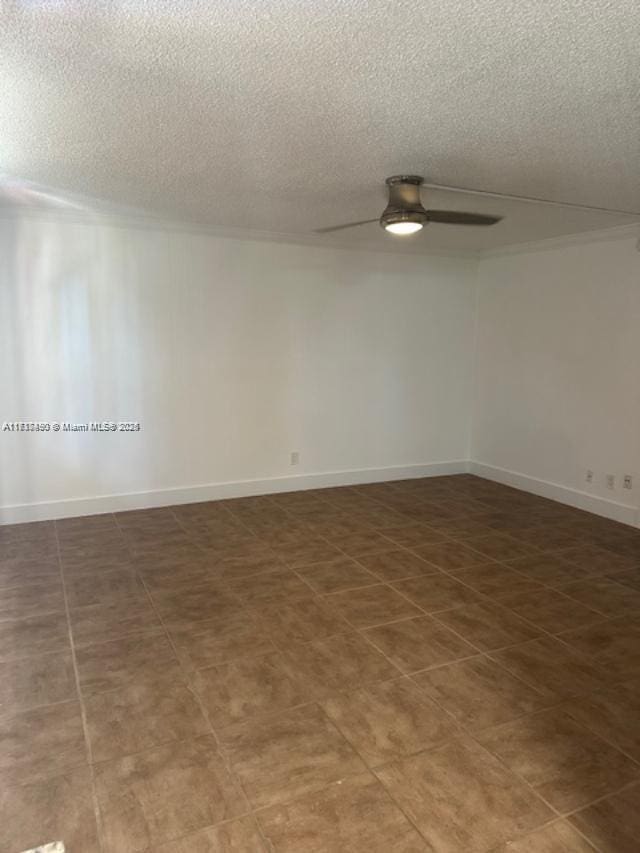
x=441 y=665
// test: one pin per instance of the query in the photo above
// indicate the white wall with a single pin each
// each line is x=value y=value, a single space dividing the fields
x=558 y=371
x=230 y=353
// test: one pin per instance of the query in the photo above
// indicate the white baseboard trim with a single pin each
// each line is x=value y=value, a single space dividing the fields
x=624 y=513
x=217 y=491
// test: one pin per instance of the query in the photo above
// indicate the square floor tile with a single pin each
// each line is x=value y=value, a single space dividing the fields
x=106 y=666
x=372 y=605
x=596 y=560
x=289 y=755
x=56 y=808
x=479 y=693
x=236 y=836
x=236 y=566
x=549 y=609
x=169 y=560
x=498 y=546
x=106 y=586
x=549 y=569
x=495 y=579
x=335 y=575
x=306 y=552
x=356 y=815
x=342 y=662
x=450 y=555
x=164 y=793
x=41 y=742
x=626 y=546
x=389 y=720
x=109 y=620
x=612 y=713
x=173 y=580
x=396 y=565
x=197 y=604
x=20 y=572
x=381 y=518
x=558 y=837
x=300 y=621
x=333 y=524
x=568 y=765
x=460 y=528
x=142 y=715
x=228 y=637
x=415 y=644
x=436 y=592
x=358 y=544
x=628 y=577
x=95 y=560
x=34 y=600
x=78 y=531
x=413 y=535
x=605 y=596
x=27 y=549
x=42 y=680
x=613 y=824
x=461 y=798
x=487 y=625
x=552 y=668
x=548 y=538
x=90 y=543
x=281 y=585
x=613 y=644
x=34 y=636
x=245 y=688
x=29 y=531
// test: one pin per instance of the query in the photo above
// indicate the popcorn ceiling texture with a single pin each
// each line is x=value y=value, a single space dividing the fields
x=286 y=116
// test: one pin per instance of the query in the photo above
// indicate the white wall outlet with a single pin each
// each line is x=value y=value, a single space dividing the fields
x=295 y=457
x=611 y=481
x=589 y=476
x=628 y=481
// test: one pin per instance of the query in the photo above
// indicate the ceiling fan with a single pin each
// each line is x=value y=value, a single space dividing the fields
x=405 y=214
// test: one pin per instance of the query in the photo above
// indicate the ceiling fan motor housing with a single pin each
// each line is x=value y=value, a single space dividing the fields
x=404 y=201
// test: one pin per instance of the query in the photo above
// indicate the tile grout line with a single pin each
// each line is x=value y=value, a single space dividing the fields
x=189 y=685
x=83 y=714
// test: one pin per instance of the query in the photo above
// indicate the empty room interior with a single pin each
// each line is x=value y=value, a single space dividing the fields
x=320 y=426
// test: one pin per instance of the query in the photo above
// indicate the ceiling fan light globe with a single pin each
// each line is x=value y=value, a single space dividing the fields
x=403 y=228
x=404 y=214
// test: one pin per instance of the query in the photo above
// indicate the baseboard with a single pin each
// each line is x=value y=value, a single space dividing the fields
x=272 y=485
x=217 y=491
x=573 y=497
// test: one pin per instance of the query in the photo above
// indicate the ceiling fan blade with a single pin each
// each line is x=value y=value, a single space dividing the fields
x=528 y=199
x=458 y=217
x=340 y=227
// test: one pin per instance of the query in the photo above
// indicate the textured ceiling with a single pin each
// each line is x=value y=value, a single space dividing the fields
x=287 y=116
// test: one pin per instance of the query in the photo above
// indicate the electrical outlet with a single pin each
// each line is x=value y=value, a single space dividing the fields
x=628 y=481
x=295 y=457
x=611 y=481
x=589 y=476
